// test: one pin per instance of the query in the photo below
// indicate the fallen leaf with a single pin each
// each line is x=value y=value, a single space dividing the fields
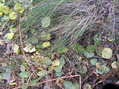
x=107 y=53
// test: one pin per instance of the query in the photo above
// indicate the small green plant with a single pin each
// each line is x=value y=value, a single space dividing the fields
x=86 y=51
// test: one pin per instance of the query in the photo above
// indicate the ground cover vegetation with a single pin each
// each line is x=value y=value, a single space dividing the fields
x=58 y=44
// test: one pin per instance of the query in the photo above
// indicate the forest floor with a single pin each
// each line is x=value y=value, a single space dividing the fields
x=67 y=44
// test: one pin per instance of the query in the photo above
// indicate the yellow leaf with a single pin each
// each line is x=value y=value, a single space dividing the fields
x=1 y=13
x=9 y=36
x=6 y=9
x=1 y=8
x=2 y=0
x=16 y=49
x=56 y=63
x=46 y=44
x=107 y=53
x=18 y=8
x=12 y=83
x=12 y=16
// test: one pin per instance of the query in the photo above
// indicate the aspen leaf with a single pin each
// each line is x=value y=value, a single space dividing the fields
x=107 y=53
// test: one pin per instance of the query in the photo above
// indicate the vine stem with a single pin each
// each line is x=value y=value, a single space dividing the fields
x=21 y=40
x=63 y=77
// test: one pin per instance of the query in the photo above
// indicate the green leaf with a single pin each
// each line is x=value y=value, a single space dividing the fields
x=33 y=40
x=103 y=69
x=7 y=76
x=93 y=61
x=45 y=22
x=45 y=36
x=42 y=73
x=18 y=8
x=58 y=69
x=46 y=61
x=24 y=74
x=97 y=39
x=62 y=50
x=33 y=82
x=107 y=53
x=13 y=29
x=91 y=48
x=60 y=47
x=88 y=54
x=1 y=77
x=82 y=69
x=70 y=85
x=78 y=48
x=9 y=36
